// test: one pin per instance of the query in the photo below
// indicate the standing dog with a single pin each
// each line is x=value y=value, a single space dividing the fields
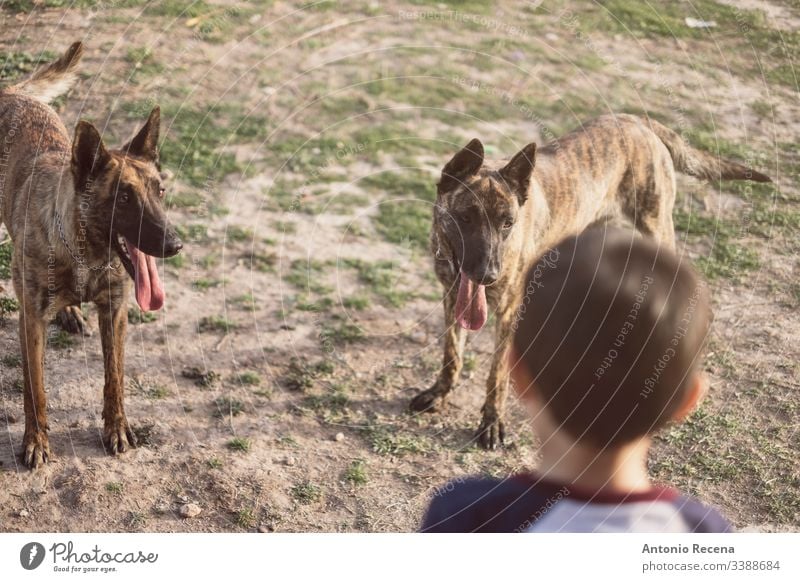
x=492 y=220
x=83 y=219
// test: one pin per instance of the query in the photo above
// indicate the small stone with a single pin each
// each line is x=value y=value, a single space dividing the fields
x=190 y=510
x=339 y=437
x=264 y=529
x=24 y=513
x=11 y=419
x=290 y=461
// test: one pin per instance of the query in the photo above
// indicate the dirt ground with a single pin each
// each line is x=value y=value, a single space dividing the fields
x=304 y=143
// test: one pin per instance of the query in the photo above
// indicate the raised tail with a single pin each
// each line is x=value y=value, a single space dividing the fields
x=53 y=80
x=702 y=164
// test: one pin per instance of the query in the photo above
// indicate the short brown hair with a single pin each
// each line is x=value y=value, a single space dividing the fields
x=610 y=329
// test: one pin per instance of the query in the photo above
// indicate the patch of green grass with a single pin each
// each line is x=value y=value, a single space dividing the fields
x=356 y=473
x=226 y=406
x=764 y=109
x=707 y=138
x=143 y=62
x=238 y=234
x=262 y=262
x=191 y=199
x=6 y=254
x=285 y=226
x=178 y=261
x=470 y=362
x=214 y=463
x=382 y=280
x=196 y=233
x=305 y=303
x=341 y=333
x=301 y=375
x=148 y=390
x=334 y=401
x=728 y=260
x=210 y=22
x=240 y=444
x=307 y=274
x=696 y=223
x=246 y=518
x=201 y=378
x=136 y=316
x=204 y=284
x=12 y=360
x=213 y=323
x=8 y=305
x=405 y=215
x=248 y=378
x=16 y=64
x=247 y=302
x=136 y=519
x=306 y=493
x=662 y=18
x=115 y=487
x=357 y=302
x=60 y=339
x=157 y=392
x=388 y=441
x=193 y=146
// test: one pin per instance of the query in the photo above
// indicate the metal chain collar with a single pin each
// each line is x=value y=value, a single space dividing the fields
x=74 y=256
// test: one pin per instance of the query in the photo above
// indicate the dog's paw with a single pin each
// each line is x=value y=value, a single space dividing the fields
x=71 y=320
x=118 y=436
x=36 y=450
x=430 y=400
x=491 y=433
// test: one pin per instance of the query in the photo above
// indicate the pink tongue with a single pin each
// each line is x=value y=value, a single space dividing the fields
x=471 y=304
x=149 y=292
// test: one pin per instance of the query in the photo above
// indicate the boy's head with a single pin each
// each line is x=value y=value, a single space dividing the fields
x=608 y=336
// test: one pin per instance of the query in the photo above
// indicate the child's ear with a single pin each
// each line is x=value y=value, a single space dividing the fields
x=698 y=388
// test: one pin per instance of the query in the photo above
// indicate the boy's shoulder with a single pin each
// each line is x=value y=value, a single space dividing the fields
x=477 y=504
x=525 y=503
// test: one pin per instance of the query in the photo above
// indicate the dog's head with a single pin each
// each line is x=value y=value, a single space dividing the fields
x=121 y=195
x=477 y=209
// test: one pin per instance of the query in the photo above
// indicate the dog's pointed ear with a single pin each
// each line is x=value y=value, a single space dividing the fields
x=145 y=143
x=517 y=173
x=89 y=155
x=464 y=164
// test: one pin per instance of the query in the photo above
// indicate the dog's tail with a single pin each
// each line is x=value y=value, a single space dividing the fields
x=702 y=164
x=53 y=80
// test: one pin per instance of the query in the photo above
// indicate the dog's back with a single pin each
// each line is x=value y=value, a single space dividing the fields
x=35 y=142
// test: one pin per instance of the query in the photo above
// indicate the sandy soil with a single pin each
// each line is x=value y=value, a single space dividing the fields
x=349 y=110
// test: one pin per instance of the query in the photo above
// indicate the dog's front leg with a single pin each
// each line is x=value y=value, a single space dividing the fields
x=117 y=434
x=433 y=399
x=31 y=338
x=491 y=432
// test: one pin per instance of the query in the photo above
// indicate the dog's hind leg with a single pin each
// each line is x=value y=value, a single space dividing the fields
x=491 y=432
x=36 y=449
x=434 y=398
x=71 y=320
x=117 y=433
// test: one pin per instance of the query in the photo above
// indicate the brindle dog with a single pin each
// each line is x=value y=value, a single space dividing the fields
x=492 y=220
x=83 y=219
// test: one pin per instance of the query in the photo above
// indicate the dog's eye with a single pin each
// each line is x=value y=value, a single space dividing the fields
x=162 y=191
x=124 y=198
x=464 y=218
x=508 y=224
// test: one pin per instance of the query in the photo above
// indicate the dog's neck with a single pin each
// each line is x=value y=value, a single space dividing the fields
x=66 y=221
